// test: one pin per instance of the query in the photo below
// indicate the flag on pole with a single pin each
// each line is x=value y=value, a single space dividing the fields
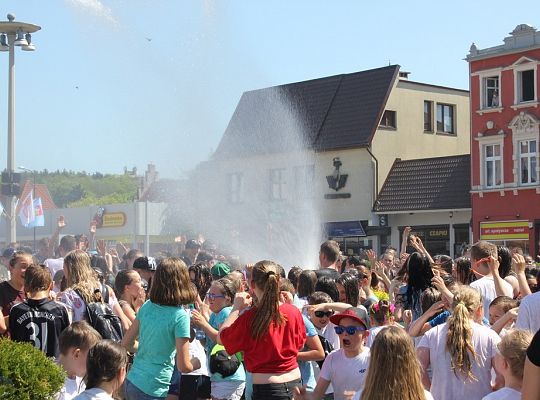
x=39 y=218
x=26 y=212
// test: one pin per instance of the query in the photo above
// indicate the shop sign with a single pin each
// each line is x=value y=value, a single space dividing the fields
x=438 y=233
x=114 y=220
x=504 y=230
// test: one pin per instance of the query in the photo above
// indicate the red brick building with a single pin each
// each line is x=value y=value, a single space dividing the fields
x=505 y=118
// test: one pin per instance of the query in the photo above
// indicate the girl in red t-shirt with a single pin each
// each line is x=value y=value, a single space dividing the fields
x=269 y=334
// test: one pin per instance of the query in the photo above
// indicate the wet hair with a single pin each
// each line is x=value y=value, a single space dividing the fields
x=331 y=251
x=266 y=277
x=350 y=283
x=18 y=255
x=420 y=275
x=123 y=279
x=293 y=275
x=505 y=261
x=171 y=285
x=237 y=278
x=319 y=298
x=459 y=343
x=394 y=367
x=37 y=278
x=506 y=303
x=327 y=285
x=81 y=277
x=78 y=335
x=483 y=249
x=380 y=311
x=429 y=297
x=463 y=271
x=203 y=278
x=104 y=362
x=306 y=283
x=227 y=287
x=513 y=347
x=444 y=262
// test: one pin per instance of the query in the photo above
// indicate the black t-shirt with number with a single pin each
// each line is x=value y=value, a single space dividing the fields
x=533 y=353
x=39 y=322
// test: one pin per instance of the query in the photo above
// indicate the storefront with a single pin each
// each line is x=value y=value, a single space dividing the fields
x=438 y=239
x=354 y=237
x=511 y=234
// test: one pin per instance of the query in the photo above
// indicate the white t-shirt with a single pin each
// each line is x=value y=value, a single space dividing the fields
x=427 y=395
x=373 y=333
x=444 y=383
x=196 y=350
x=486 y=287
x=346 y=374
x=54 y=264
x=76 y=305
x=330 y=334
x=71 y=388
x=94 y=394
x=529 y=314
x=505 y=393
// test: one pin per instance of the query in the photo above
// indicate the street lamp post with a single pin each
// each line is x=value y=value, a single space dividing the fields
x=13 y=34
x=33 y=196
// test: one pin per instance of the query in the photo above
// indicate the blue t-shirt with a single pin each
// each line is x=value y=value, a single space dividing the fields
x=215 y=322
x=159 y=327
x=306 y=367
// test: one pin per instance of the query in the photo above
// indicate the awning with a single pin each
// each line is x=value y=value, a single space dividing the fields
x=345 y=228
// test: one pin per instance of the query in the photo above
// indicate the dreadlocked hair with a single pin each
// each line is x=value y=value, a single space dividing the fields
x=459 y=341
x=266 y=278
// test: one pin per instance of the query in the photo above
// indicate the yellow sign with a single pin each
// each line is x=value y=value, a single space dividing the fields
x=504 y=230
x=114 y=220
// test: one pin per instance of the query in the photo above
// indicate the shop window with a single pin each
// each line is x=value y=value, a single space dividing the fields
x=428 y=116
x=445 y=118
x=527 y=162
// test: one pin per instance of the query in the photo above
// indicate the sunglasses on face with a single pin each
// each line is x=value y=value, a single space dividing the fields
x=321 y=314
x=351 y=330
x=212 y=296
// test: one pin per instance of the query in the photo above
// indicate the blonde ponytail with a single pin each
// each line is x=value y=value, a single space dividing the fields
x=459 y=341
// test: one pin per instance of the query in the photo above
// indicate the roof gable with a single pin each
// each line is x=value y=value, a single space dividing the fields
x=339 y=111
x=439 y=183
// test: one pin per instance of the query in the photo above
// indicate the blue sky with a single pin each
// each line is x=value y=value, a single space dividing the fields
x=117 y=83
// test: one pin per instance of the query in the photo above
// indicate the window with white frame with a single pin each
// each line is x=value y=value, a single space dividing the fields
x=277 y=184
x=304 y=180
x=490 y=92
x=492 y=165
x=235 y=187
x=527 y=162
x=445 y=118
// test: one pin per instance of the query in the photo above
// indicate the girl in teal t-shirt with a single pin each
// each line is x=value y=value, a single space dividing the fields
x=162 y=328
x=219 y=298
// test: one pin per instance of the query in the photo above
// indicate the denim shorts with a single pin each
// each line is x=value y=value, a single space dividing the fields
x=275 y=391
x=132 y=392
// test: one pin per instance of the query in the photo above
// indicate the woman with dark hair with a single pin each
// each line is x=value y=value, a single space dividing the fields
x=327 y=285
x=201 y=277
x=464 y=274
x=306 y=285
x=444 y=262
x=420 y=276
x=270 y=334
x=347 y=285
x=505 y=268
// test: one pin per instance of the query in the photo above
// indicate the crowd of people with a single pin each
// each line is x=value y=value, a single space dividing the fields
x=199 y=325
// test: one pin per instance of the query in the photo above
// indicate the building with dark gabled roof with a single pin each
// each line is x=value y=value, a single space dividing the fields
x=315 y=153
x=423 y=191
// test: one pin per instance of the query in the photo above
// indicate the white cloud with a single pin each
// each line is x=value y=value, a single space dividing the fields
x=94 y=7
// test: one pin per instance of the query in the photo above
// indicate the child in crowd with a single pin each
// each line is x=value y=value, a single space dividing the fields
x=38 y=319
x=510 y=362
x=345 y=368
x=74 y=343
x=321 y=319
x=460 y=352
x=502 y=314
x=162 y=326
x=219 y=298
x=381 y=316
x=393 y=369
x=105 y=371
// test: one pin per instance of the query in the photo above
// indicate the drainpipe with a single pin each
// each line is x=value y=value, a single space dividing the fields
x=376 y=175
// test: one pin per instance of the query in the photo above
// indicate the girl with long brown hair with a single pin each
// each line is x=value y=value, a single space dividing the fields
x=394 y=370
x=270 y=334
x=461 y=351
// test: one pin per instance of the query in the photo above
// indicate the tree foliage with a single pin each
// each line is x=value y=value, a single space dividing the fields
x=78 y=189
